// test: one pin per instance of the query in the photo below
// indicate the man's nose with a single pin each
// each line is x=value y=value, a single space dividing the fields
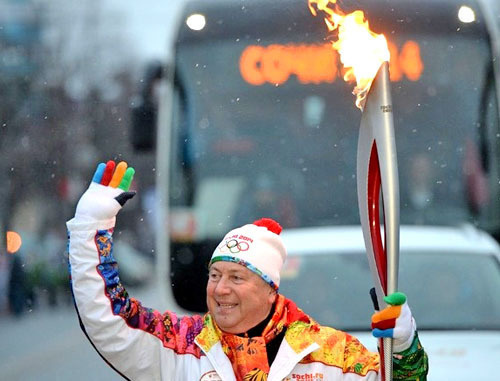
x=222 y=287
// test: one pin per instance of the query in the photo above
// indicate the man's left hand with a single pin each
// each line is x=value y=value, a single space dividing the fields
x=395 y=321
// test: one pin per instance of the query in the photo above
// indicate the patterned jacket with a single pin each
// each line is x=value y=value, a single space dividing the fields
x=143 y=344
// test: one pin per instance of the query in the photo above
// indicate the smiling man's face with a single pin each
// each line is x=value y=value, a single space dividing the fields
x=237 y=298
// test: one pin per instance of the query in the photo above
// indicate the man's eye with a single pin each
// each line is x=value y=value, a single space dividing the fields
x=237 y=278
x=213 y=276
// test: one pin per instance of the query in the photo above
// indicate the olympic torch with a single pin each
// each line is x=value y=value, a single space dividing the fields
x=365 y=56
x=377 y=170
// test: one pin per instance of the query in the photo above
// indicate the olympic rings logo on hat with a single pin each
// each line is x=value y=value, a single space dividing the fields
x=234 y=247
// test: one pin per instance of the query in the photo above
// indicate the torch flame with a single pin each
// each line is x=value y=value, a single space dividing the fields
x=361 y=50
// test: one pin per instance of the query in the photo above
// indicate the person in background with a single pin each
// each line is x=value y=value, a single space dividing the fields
x=18 y=287
x=262 y=197
x=250 y=332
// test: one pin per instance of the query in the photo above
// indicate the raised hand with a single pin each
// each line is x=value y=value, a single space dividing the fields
x=107 y=193
x=395 y=321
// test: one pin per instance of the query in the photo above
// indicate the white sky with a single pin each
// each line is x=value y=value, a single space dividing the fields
x=149 y=23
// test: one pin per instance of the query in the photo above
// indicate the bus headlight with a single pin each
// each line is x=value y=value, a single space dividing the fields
x=196 y=21
x=466 y=14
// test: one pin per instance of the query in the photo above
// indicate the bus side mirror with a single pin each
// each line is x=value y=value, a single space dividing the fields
x=144 y=110
x=144 y=115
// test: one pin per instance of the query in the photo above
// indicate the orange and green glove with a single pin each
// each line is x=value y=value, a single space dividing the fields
x=107 y=193
x=395 y=321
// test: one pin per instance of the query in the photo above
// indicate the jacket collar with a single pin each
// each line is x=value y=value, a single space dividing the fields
x=209 y=342
x=300 y=340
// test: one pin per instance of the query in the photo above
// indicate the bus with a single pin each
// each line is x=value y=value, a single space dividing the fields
x=253 y=119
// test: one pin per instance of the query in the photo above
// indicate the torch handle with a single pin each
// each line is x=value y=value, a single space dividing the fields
x=387 y=344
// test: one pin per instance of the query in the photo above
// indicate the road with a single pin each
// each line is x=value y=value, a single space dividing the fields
x=47 y=344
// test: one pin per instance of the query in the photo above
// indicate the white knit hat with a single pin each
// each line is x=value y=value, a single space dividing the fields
x=256 y=246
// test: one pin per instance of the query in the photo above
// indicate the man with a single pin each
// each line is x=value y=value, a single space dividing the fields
x=251 y=332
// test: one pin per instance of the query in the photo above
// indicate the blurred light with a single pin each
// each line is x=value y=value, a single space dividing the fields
x=466 y=14
x=196 y=21
x=14 y=242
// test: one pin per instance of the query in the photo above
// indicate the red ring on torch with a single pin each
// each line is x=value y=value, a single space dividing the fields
x=374 y=184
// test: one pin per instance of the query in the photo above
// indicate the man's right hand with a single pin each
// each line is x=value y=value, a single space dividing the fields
x=107 y=193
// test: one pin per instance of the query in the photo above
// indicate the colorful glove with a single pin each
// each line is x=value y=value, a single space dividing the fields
x=107 y=193
x=395 y=321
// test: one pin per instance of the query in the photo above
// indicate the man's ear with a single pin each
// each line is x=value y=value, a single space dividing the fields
x=273 y=293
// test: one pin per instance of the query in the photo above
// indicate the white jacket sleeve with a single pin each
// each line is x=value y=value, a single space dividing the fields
x=139 y=343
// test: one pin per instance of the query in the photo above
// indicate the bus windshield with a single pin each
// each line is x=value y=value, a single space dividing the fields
x=263 y=124
x=255 y=137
